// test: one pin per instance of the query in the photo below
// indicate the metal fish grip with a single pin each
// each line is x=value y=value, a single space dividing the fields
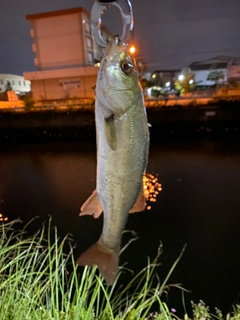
x=99 y=8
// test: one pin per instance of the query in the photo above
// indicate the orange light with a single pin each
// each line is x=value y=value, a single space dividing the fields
x=132 y=49
x=151 y=188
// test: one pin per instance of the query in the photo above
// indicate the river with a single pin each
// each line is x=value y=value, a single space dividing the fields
x=195 y=201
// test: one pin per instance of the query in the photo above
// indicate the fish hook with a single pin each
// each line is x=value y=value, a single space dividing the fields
x=98 y=9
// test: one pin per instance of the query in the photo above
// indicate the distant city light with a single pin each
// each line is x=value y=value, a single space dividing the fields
x=154 y=76
x=167 y=84
x=181 y=77
x=191 y=81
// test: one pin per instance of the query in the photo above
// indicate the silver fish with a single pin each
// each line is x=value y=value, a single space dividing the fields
x=122 y=153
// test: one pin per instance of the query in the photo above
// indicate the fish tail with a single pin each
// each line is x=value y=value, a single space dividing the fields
x=106 y=261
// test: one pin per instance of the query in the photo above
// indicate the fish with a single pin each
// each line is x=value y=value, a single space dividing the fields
x=122 y=137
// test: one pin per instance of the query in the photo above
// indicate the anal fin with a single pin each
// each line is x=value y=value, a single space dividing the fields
x=92 y=206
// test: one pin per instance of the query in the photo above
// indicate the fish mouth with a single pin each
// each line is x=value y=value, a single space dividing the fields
x=114 y=49
x=117 y=40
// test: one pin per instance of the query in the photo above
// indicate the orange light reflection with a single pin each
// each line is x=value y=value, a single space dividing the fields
x=2 y=218
x=151 y=188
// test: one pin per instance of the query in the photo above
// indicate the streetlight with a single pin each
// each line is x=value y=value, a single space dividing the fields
x=132 y=49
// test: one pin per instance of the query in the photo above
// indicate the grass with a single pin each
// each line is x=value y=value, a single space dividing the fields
x=35 y=283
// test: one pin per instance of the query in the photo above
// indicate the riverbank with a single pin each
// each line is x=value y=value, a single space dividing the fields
x=76 y=122
x=40 y=280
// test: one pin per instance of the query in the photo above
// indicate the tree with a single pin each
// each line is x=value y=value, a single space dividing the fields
x=8 y=86
x=215 y=75
x=185 y=81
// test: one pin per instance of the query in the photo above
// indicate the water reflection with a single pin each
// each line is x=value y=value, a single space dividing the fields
x=151 y=188
x=2 y=218
x=55 y=179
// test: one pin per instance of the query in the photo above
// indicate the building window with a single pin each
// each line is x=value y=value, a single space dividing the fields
x=87 y=27
x=1 y=81
x=24 y=83
x=70 y=84
x=90 y=58
x=89 y=43
x=19 y=82
x=13 y=82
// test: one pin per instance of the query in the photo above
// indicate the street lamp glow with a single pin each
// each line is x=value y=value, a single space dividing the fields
x=132 y=49
x=167 y=84
x=191 y=81
x=181 y=77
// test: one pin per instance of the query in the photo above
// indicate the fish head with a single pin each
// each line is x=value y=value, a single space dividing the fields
x=118 y=86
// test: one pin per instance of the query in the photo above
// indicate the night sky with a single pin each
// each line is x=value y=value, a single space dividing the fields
x=168 y=33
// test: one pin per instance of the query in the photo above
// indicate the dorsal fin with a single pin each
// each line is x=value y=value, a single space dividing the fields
x=140 y=203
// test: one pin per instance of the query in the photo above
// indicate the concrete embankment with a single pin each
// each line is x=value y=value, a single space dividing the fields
x=37 y=125
x=77 y=123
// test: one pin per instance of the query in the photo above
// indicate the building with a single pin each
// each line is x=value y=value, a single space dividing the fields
x=233 y=70
x=164 y=77
x=64 y=55
x=201 y=69
x=14 y=83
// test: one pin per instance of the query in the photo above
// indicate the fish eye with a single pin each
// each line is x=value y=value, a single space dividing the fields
x=126 y=67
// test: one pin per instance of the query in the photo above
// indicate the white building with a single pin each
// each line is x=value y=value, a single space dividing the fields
x=64 y=55
x=201 y=69
x=14 y=83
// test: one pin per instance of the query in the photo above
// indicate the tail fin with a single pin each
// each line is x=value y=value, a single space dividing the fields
x=106 y=261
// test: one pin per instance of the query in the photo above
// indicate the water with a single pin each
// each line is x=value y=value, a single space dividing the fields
x=199 y=205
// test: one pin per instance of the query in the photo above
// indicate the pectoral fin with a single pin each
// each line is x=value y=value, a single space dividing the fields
x=110 y=132
x=92 y=206
x=140 y=203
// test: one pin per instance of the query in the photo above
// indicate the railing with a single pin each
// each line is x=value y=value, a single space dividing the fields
x=89 y=103
x=85 y=103
x=55 y=105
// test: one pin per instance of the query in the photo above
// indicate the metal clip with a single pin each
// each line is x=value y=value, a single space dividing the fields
x=98 y=9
